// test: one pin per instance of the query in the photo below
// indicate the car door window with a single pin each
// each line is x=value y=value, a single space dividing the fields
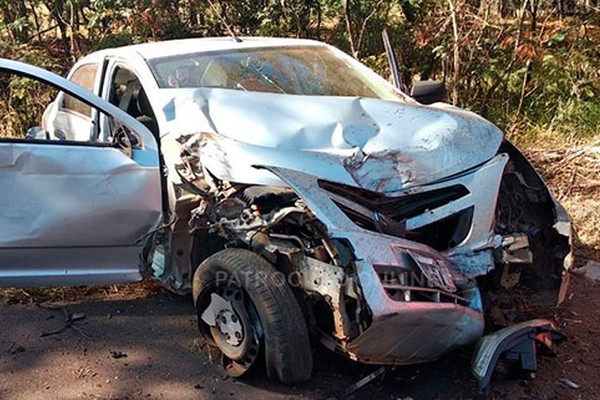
x=84 y=76
x=69 y=118
x=127 y=92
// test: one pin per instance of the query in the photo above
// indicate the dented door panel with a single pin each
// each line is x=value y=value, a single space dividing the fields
x=73 y=195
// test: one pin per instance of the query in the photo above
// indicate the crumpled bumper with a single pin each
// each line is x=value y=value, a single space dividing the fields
x=406 y=330
x=409 y=333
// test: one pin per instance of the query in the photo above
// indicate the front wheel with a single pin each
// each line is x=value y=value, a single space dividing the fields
x=246 y=309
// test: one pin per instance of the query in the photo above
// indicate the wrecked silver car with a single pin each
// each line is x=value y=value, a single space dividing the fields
x=304 y=196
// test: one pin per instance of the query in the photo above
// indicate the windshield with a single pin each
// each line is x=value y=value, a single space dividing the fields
x=299 y=70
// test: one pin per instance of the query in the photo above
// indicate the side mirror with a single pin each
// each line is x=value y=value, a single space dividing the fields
x=428 y=92
x=37 y=133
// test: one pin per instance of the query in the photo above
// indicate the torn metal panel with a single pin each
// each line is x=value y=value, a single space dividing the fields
x=327 y=280
x=516 y=249
x=517 y=344
x=564 y=227
x=527 y=205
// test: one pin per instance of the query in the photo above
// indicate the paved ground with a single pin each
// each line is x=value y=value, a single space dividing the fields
x=166 y=360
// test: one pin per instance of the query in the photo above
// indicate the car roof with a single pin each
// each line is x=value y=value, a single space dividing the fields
x=195 y=45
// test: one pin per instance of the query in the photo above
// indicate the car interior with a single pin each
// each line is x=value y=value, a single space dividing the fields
x=129 y=95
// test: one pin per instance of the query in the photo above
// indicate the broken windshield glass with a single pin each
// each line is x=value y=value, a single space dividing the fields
x=300 y=70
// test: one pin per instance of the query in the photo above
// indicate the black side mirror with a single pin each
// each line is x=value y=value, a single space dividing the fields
x=428 y=92
x=37 y=133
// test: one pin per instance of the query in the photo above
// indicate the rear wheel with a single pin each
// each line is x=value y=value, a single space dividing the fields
x=246 y=309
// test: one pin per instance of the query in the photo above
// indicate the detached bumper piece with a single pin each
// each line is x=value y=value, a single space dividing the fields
x=516 y=344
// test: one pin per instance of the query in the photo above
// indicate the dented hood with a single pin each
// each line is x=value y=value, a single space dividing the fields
x=379 y=145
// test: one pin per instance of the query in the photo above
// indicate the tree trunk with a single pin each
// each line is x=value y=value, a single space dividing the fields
x=353 y=48
x=456 y=67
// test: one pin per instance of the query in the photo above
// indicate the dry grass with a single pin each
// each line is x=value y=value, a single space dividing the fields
x=75 y=293
x=573 y=173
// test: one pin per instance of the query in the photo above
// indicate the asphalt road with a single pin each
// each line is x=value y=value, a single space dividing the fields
x=160 y=356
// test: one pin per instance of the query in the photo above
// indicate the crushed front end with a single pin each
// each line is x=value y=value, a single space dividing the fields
x=407 y=285
x=390 y=279
x=399 y=248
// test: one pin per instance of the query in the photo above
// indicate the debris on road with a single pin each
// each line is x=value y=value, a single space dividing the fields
x=69 y=320
x=15 y=349
x=117 y=354
x=361 y=383
x=569 y=383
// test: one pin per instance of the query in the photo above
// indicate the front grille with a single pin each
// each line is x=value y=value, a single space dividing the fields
x=445 y=233
x=389 y=214
x=410 y=285
x=396 y=208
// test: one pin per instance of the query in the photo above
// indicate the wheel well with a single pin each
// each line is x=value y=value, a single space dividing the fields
x=205 y=245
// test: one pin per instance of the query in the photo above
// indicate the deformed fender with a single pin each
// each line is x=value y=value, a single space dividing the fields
x=517 y=344
x=562 y=223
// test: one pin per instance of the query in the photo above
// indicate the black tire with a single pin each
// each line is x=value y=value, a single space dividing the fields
x=285 y=339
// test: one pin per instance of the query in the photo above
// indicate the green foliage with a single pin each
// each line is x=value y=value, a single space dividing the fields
x=565 y=98
x=531 y=74
x=22 y=101
x=28 y=99
x=378 y=63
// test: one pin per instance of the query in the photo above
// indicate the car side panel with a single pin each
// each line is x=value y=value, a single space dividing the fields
x=91 y=203
x=61 y=266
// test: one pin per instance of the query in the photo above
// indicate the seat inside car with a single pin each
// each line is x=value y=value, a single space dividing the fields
x=128 y=94
x=145 y=113
x=214 y=75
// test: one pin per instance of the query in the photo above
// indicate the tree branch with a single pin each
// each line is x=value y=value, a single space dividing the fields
x=364 y=26
x=349 y=28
